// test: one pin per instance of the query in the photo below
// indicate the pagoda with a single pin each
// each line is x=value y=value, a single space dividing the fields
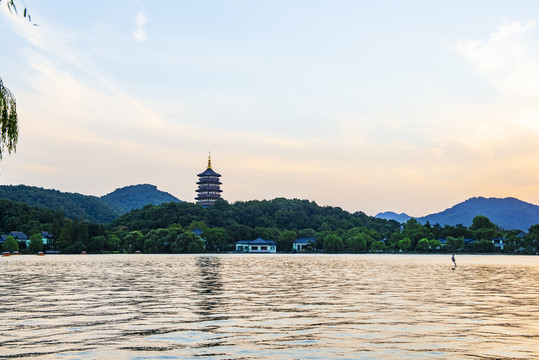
x=208 y=191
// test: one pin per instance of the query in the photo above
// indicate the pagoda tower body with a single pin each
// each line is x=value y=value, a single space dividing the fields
x=208 y=191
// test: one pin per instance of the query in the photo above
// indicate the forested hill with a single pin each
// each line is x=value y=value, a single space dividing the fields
x=280 y=213
x=137 y=196
x=90 y=208
x=73 y=205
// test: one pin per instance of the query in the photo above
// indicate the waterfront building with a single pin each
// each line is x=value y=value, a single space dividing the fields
x=304 y=244
x=256 y=246
x=19 y=236
x=209 y=190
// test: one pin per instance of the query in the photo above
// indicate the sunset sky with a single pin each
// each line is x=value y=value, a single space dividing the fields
x=407 y=106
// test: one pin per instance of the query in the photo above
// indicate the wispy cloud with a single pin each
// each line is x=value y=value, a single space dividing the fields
x=140 y=32
x=508 y=59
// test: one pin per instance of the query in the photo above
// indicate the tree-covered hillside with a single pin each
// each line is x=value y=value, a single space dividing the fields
x=68 y=236
x=167 y=228
x=73 y=205
x=90 y=208
x=137 y=196
x=280 y=213
x=16 y=216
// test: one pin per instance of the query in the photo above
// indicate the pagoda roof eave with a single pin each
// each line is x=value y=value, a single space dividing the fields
x=209 y=172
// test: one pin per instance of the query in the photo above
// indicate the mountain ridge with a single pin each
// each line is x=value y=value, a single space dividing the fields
x=132 y=197
x=95 y=209
x=508 y=213
x=390 y=215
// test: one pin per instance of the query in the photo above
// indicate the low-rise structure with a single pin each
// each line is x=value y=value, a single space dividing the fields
x=47 y=238
x=18 y=235
x=256 y=246
x=304 y=244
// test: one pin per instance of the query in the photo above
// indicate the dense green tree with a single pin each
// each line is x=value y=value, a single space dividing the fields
x=481 y=222
x=359 y=239
x=64 y=240
x=198 y=225
x=83 y=233
x=325 y=227
x=454 y=244
x=530 y=242
x=112 y=243
x=33 y=226
x=483 y=245
x=157 y=241
x=332 y=243
x=75 y=248
x=239 y=232
x=36 y=243
x=405 y=244
x=357 y=243
x=286 y=240
x=186 y=242
x=55 y=228
x=484 y=229
x=308 y=233
x=133 y=241
x=96 y=244
x=195 y=246
x=378 y=246
x=216 y=239
x=414 y=231
x=435 y=244
x=456 y=231
x=423 y=245
x=10 y=244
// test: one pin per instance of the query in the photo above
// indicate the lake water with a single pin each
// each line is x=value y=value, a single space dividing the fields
x=269 y=306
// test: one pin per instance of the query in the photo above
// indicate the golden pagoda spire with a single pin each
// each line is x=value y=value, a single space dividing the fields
x=209 y=159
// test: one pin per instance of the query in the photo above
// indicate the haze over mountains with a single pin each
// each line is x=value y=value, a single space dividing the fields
x=508 y=213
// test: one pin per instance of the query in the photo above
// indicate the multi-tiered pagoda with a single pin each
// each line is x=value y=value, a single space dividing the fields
x=208 y=191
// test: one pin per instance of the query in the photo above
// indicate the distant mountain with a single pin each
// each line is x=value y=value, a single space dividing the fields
x=390 y=215
x=508 y=213
x=136 y=197
x=89 y=208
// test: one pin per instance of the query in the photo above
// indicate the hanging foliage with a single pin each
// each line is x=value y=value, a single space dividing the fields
x=9 y=127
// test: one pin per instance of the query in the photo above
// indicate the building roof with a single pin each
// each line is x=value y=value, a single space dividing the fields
x=19 y=235
x=197 y=231
x=258 y=241
x=209 y=172
x=305 y=240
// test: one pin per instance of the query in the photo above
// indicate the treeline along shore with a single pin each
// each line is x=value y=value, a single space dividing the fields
x=181 y=227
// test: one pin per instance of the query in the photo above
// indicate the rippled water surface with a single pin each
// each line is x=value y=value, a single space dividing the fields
x=269 y=306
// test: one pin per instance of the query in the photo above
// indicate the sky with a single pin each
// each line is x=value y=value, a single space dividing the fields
x=372 y=106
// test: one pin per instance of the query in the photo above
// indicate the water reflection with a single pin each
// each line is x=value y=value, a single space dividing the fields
x=209 y=290
x=209 y=286
x=268 y=306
